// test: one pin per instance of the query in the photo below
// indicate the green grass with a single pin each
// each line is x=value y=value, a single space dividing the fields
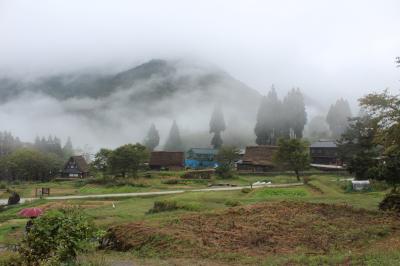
x=330 y=190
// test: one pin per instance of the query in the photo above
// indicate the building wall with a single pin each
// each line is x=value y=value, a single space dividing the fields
x=324 y=155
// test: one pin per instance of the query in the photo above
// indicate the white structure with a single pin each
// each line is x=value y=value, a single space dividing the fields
x=359 y=185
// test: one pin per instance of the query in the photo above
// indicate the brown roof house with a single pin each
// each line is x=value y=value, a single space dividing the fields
x=167 y=160
x=257 y=159
x=76 y=166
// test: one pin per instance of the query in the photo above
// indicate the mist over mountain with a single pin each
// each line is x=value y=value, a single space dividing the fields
x=114 y=108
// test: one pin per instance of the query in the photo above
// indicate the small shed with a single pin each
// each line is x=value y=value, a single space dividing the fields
x=257 y=159
x=359 y=185
x=75 y=167
x=167 y=160
x=198 y=158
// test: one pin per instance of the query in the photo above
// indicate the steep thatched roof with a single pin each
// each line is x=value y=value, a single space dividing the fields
x=167 y=158
x=80 y=163
x=259 y=155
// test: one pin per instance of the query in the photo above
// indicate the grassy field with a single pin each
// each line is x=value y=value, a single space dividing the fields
x=158 y=181
x=110 y=212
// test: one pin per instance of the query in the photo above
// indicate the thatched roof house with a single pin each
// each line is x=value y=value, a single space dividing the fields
x=167 y=160
x=76 y=166
x=257 y=159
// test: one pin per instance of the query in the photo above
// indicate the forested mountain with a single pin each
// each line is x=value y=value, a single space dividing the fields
x=150 y=82
x=110 y=109
x=115 y=108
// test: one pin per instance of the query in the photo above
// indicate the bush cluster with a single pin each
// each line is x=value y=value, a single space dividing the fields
x=55 y=237
x=391 y=203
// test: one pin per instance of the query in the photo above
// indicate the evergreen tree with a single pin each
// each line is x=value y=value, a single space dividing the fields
x=153 y=138
x=317 y=128
x=294 y=112
x=217 y=125
x=68 y=149
x=216 y=141
x=337 y=117
x=269 y=124
x=174 y=142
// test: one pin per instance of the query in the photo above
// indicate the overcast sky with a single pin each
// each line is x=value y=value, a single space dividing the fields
x=327 y=48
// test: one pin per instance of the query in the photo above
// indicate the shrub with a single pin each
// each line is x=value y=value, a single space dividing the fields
x=198 y=174
x=172 y=181
x=246 y=190
x=232 y=203
x=56 y=236
x=14 y=198
x=164 y=205
x=171 y=205
x=3 y=185
x=391 y=203
x=224 y=171
x=9 y=258
x=347 y=186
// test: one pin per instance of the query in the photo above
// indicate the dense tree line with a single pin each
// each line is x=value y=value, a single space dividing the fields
x=53 y=145
x=30 y=164
x=280 y=119
x=8 y=143
x=41 y=160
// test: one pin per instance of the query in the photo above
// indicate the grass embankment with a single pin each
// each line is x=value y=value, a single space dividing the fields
x=258 y=231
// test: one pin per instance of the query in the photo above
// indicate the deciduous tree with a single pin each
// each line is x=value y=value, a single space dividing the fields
x=292 y=154
x=127 y=159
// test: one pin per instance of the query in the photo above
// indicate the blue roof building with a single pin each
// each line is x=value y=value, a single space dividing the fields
x=197 y=158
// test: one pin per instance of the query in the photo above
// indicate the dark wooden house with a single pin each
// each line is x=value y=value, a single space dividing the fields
x=76 y=167
x=324 y=152
x=167 y=160
x=257 y=159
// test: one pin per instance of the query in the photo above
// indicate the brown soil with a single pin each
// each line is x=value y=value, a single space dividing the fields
x=258 y=230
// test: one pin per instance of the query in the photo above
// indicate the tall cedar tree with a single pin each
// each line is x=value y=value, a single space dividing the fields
x=152 y=139
x=217 y=125
x=68 y=149
x=337 y=117
x=269 y=124
x=294 y=112
x=317 y=128
x=174 y=142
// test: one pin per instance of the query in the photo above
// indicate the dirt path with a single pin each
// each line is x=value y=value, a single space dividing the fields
x=154 y=193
